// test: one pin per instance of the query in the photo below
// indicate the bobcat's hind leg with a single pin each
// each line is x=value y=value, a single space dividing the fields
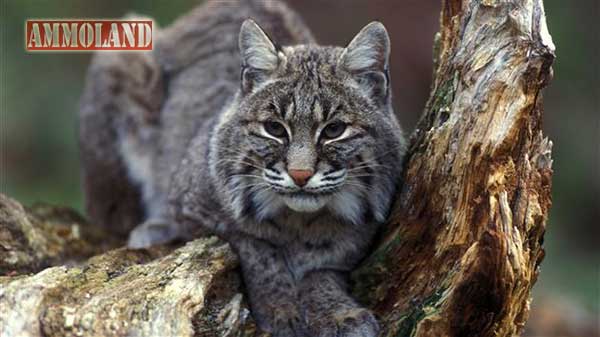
x=119 y=109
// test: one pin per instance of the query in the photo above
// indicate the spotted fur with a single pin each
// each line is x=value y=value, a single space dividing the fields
x=240 y=116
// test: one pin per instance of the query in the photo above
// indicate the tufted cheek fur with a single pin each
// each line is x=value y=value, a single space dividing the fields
x=303 y=89
x=296 y=170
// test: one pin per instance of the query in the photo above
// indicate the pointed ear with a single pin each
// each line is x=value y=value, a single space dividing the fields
x=367 y=58
x=259 y=55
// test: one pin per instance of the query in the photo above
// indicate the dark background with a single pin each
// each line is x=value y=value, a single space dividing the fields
x=39 y=96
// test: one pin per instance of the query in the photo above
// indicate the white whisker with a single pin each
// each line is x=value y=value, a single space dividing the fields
x=243 y=187
x=236 y=161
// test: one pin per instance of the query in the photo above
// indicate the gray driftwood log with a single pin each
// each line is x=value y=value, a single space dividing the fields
x=459 y=257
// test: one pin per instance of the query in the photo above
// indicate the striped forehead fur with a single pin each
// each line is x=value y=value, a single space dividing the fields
x=314 y=86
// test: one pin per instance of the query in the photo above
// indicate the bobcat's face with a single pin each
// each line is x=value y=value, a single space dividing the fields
x=311 y=134
x=313 y=148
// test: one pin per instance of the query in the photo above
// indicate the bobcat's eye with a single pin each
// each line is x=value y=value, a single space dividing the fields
x=275 y=129
x=333 y=130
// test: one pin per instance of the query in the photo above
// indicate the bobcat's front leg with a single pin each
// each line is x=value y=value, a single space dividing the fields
x=330 y=310
x=271 y=288
x=153 y=232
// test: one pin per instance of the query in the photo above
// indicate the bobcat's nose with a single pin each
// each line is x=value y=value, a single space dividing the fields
x=300 y=177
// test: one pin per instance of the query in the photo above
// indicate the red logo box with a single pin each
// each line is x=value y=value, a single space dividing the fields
x=83 y=35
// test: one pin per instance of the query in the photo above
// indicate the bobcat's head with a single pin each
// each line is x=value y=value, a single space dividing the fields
x=311 y=130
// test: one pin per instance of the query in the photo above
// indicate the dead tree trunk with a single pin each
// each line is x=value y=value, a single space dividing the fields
x=458 y=258
x=464 y=244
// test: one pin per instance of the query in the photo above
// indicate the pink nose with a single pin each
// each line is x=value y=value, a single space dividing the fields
x=300 y=177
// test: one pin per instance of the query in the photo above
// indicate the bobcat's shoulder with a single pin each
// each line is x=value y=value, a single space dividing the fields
x=287 y=149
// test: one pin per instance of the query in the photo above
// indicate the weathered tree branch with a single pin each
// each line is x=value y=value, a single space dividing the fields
x=464 y=244
x=459 y=257
x=163 y=291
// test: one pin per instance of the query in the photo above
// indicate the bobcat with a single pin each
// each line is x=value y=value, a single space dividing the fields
x=292 y=158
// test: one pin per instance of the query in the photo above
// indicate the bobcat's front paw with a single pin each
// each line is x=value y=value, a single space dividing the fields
x=352 y=322
x=291 y=327
x=285 y=321
x=152 y=232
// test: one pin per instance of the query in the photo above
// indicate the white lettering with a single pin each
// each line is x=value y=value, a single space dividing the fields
x=113 y=37
x=35 y=37
x=129 y=37
x=144 y=35
x=69 y=33
x=51 y=35
x=86 y=35
x=98 y=33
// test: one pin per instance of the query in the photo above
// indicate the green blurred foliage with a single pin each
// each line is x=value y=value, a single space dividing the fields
x=39 y=95
x=572 y=121
x=41 y=91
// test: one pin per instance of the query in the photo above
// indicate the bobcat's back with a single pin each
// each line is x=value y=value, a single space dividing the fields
x=200 y=58
x=290 y=153
x=139 y=111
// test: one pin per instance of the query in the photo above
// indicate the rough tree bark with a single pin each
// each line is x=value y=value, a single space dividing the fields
x=464 y=243
x=459 y=257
